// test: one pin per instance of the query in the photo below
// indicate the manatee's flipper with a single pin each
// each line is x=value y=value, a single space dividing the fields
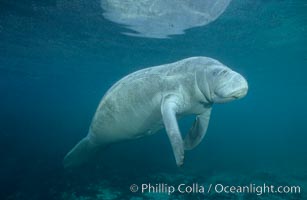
x=81 y=153
x=169 y=108
x=198 y=130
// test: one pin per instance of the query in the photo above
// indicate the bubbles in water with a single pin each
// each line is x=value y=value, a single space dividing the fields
x=161 y=18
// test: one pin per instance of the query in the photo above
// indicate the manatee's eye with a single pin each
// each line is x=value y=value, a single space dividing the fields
x=218 y=72
x=224 y=72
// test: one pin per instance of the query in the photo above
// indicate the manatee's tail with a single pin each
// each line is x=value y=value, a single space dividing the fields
x=81 y=153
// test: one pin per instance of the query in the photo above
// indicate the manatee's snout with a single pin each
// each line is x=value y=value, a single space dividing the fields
x=239 y=86
x=229 y=85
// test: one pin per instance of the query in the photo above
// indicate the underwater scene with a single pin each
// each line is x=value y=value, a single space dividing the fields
x=222 y=115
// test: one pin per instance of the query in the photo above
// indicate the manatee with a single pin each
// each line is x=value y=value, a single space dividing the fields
x=160 y=18
x=153 y=98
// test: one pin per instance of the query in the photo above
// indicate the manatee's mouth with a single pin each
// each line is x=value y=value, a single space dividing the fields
x=239 y=93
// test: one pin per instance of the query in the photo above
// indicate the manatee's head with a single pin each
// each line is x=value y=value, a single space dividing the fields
x=220 y=84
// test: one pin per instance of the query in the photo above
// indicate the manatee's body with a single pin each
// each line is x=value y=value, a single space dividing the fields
x=132 y=107
x=147 y=100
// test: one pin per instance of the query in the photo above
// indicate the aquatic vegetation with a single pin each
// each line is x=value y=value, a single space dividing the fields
x=104 y=190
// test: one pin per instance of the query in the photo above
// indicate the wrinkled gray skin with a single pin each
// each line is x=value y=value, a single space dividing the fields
x=162 y=18
x=147 y=100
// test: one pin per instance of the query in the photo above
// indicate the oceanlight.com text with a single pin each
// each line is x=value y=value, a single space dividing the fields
x=214 y=188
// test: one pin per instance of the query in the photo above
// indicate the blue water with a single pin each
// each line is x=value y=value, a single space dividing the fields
x=58 y=58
